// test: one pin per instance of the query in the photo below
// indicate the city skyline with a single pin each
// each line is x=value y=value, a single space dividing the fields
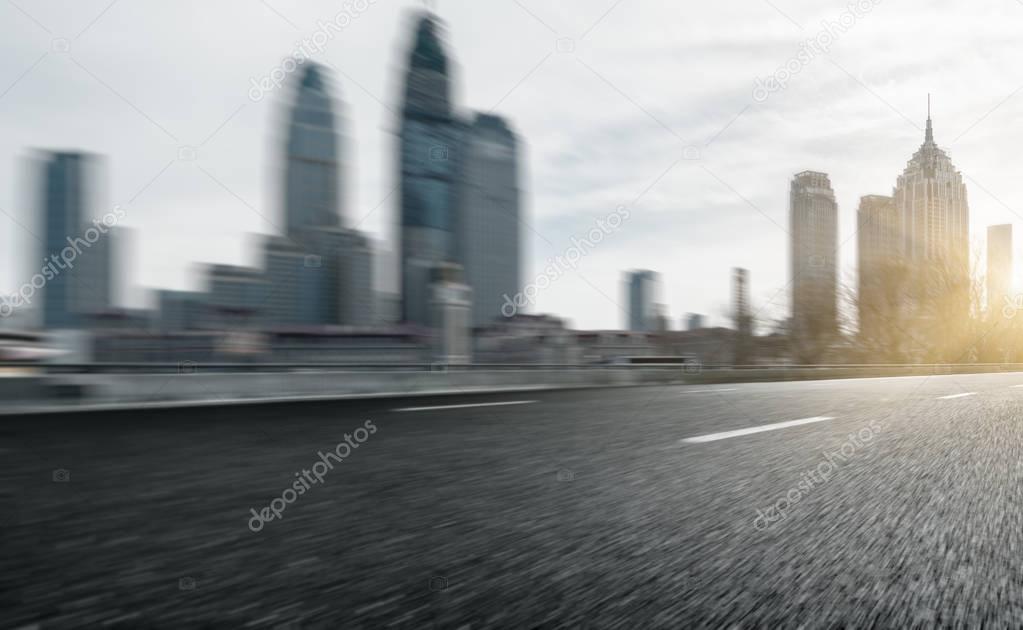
x=686 y=211
x=590 y=313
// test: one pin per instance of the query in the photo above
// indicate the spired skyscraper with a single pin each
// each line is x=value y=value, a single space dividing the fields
x=934 y=214
x=489 y=233
x=312 y=189
x=813 y=221
x=429 y=169
x=931 y=199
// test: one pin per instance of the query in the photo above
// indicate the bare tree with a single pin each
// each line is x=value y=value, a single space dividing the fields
x=912 y=312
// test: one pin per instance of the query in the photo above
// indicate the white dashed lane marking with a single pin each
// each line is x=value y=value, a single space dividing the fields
x=713 y=437
x=440 y=407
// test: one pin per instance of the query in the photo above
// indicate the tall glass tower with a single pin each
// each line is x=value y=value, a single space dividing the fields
x=82 y=286
x=642 y=290
x=428 y=139
x=312 y=173
x=489 y=241
x=63 y=200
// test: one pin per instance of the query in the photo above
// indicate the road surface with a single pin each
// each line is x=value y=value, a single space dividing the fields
x=875 y=502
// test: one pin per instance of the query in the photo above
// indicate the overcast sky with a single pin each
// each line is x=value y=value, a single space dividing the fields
x=608 y=116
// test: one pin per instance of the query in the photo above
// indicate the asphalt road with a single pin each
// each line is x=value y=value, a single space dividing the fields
x=892 y=503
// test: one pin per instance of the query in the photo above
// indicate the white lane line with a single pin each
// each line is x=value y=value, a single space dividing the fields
x=439 y=407
x=709 y=391
x=957 y=396
x=713 y=437
x=1015 y=386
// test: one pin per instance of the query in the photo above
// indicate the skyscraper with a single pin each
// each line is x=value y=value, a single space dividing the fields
x=934 y=214
x=879 y=242
x=312 y=191
x=813 y=220
x=740 y=299
x=642 y=289
x=63 y=198
x=931 y=198
x=428 y=174
x=999 y=267
x=489 y=239
x=81 y=283
x=742 y=318
x=321 y=274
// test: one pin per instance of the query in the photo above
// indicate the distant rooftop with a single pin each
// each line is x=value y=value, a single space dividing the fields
x=493 y=123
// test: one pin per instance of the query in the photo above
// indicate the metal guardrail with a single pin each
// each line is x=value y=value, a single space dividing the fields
x=871 y=366
x=194 y=367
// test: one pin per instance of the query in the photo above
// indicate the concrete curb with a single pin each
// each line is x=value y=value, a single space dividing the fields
x=269 y=400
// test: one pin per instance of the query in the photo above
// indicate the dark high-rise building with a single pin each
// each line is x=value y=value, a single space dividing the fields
x=79 y=286
x=428 y=173
x=813 y=222
x=879 y=242
x=489 y=242
x=63 y=197
x=312 y=190
x=999 y=268
x=642 y=292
